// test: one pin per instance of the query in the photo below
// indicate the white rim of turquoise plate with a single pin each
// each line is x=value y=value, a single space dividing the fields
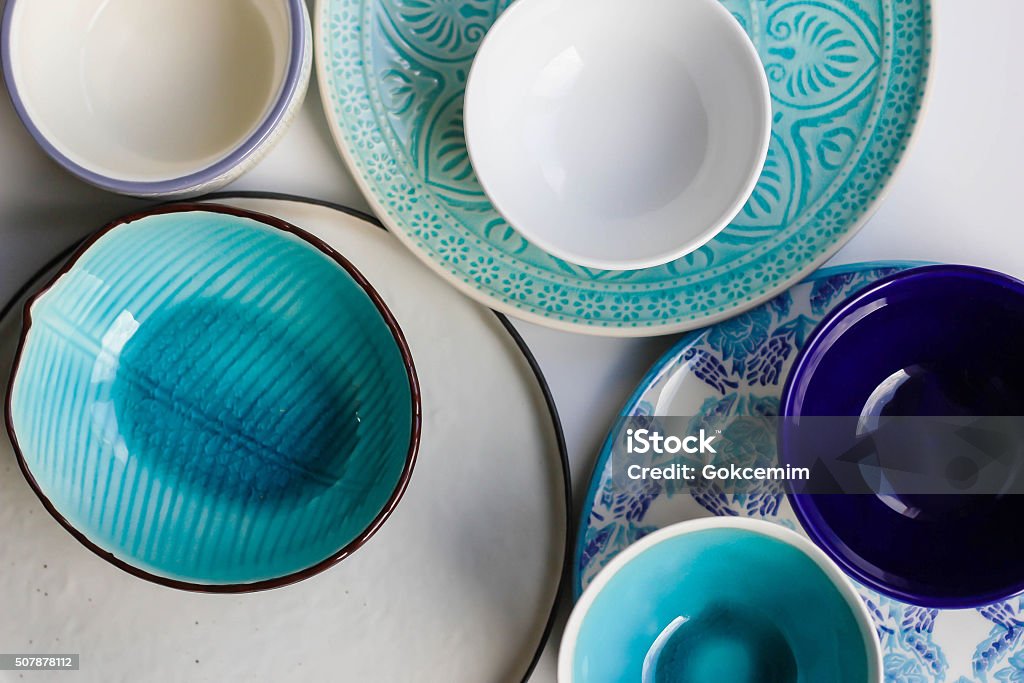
x=581 y=323
x=653 y=375
x=843 y=584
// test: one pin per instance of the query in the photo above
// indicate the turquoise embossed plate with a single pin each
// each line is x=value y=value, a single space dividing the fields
x=848 y=81
x=214 y=400
x=738 y=368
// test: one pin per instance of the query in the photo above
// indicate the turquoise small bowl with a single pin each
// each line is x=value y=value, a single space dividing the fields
x=214 y=400
x=722 y=599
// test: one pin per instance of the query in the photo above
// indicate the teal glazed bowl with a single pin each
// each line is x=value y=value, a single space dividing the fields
x=214 y=400
x=721 y=599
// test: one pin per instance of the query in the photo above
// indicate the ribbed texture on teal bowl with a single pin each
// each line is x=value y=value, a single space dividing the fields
x=212 y=400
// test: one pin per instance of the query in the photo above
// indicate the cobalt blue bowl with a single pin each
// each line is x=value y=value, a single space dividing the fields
x=919 y=381
x=214 y=400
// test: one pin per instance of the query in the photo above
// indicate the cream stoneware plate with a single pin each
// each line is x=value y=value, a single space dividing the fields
x=458 y=586
x=848 y=80
x=737 y=368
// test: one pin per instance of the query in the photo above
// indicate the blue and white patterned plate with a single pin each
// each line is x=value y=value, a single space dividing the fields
x=466 y=571
x=738 y=368
x=848 y=80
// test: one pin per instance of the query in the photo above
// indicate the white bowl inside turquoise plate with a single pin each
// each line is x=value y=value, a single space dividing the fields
x=618 y=135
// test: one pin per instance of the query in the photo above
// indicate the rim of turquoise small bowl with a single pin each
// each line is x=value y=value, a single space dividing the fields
x=839 y=580
x=291 y=84
x=386 y=315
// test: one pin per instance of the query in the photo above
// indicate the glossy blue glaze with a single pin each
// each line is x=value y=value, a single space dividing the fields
x=213 y=400
x=754 y=609
x=935 y=341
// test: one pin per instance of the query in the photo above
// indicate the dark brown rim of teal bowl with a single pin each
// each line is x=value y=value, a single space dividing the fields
x=390 y=321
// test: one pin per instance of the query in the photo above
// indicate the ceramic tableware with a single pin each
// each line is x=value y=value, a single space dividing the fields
x=722 y=599
x=466 y=572
x=848 y=81
x=943 y=343
x=736 y=370
x=617 y=136
x=157 y=98
x=215 y=400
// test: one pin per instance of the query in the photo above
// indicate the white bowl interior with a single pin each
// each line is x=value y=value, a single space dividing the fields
x=149 y=90
x=618 y=134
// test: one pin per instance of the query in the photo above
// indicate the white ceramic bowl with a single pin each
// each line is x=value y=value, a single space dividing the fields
x=156 y=97
x=744 y=584
x=614 y=134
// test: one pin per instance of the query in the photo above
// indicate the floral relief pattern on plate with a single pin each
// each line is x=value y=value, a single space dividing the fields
x=848 y=81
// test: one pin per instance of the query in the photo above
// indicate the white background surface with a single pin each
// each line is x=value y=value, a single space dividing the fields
x=958 y=199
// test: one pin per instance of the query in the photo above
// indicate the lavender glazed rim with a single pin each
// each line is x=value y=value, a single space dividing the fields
x=290 y=85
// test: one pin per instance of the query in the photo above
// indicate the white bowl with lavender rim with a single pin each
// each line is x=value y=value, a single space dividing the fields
x=163 y=98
